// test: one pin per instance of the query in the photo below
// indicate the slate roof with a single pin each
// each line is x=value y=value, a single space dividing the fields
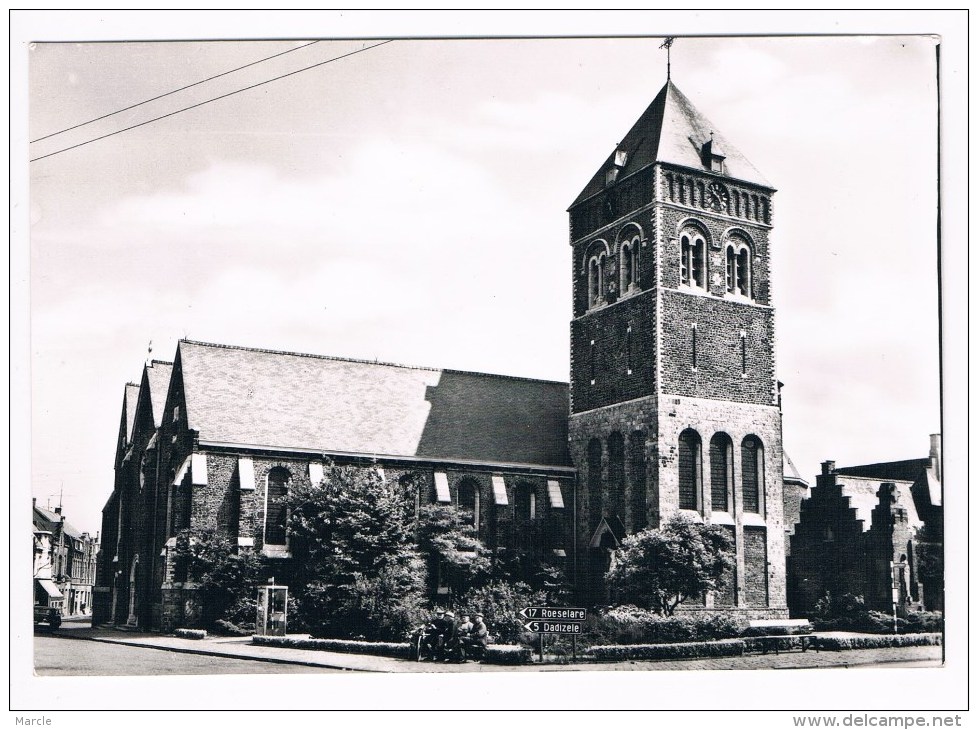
x=911 y=470
x=47 y=520
x=672 y=130
x=131 y=397
x=862 y=494
x=257 y=397
x=158 y=376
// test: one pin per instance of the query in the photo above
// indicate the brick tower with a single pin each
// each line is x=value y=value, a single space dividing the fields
x=674 y=399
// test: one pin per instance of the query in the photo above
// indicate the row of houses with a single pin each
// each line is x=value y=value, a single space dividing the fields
x=65 y=561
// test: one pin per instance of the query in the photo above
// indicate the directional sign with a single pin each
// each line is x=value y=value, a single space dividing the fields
x=554 y=627
x=557 y=614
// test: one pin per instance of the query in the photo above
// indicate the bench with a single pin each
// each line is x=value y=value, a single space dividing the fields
x=772 y=634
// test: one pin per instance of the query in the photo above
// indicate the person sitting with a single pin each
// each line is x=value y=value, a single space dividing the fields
x=479 y=635
x=440 y=627
x=464 y=627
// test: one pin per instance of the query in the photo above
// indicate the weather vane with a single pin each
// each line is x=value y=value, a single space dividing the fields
x=667 y=44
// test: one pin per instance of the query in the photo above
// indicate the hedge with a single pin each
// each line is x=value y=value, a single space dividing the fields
x=791 y=630
x=190 y=633
x=773 y=642
x=506 y=654
x=685 y=650
x=380 y=648
x=882 y=641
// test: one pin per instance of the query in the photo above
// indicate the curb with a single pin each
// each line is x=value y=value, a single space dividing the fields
x=222 y=654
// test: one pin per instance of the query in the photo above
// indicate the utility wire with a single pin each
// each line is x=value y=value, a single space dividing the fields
x=216 y=98
x=182 y=88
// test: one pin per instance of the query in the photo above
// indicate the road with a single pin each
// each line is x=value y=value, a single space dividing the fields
x=62 y=656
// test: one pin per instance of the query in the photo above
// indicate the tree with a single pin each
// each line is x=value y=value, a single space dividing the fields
x=359 y=572
x=227 y=580
x=452 y=547
x=659 y=569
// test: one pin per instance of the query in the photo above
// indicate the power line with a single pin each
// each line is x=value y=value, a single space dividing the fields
x=208 y=101
x=182 y=88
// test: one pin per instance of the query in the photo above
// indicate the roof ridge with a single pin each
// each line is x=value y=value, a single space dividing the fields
x=336 y=358
x=160 y=362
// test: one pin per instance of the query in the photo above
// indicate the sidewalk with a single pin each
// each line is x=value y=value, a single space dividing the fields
x=242 y=648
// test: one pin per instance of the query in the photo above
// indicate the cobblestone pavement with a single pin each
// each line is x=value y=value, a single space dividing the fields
x=241 y=648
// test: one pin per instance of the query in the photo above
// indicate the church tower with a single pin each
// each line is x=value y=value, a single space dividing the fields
x=674 y=400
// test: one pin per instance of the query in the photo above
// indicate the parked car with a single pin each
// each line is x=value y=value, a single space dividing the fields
x=50 y=615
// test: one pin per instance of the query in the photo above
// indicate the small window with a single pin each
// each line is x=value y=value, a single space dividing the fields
x=596 y=284
x=738 y=269
x=526 y=502
x=469 y=501
x=176 y=414
x=692 y=264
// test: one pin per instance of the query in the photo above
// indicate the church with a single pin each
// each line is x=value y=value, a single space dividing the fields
x=672 y=406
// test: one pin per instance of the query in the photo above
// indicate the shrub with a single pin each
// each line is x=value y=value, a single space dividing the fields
x=774 y=642
x=506 y=654
x=685 y=650
x=501 y=604
x=838 y=643
x=190 y=633
x=925 y=622
x=380 y=648
x=632 y=625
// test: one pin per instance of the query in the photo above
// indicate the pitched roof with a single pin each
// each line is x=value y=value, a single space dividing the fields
x=790 y=470
x=672 y=130
x=288 y=400
x=911 y=470
x=48 y=521
x=862 y=494
x=129 y=403
x=158 y=377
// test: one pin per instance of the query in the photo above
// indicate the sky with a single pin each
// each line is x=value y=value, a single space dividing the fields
x=408 y=203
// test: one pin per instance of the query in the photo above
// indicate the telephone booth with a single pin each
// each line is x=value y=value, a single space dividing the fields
x=273 y=604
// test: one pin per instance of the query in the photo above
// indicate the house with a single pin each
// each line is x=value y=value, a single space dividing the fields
x=874 y=530
x=672 y=405
x=64 y=562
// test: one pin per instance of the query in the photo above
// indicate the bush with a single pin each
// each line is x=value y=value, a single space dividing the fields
x=774 y=642
x=190 y=633
x=632 y=625
x=380 y=648
x=506 y=654
x=925 y=622
x=686 y=650
x=839 y=643
x=501 y=604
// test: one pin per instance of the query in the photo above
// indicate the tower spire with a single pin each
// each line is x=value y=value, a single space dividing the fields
x=667 y=44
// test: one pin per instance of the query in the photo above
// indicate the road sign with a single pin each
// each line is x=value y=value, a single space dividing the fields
x=554 y=613
x=554 y=627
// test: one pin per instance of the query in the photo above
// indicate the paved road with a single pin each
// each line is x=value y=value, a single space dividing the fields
x=58 y=656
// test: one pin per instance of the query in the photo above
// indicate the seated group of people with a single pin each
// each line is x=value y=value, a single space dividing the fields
x=446 y=632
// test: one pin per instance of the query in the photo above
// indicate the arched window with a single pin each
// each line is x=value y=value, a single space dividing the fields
x=616 y=474
x=721 y=471
x=526 y=502
x=639 y=477
x=738 y=268
x=628 y=264
x=595 y=279
x=469 y=501
x=752 y=480
x=690 y=469
x=692 y=262
x=276 y=514
x=594 y=481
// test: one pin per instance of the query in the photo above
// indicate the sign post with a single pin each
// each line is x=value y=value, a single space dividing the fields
x=555 y=620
